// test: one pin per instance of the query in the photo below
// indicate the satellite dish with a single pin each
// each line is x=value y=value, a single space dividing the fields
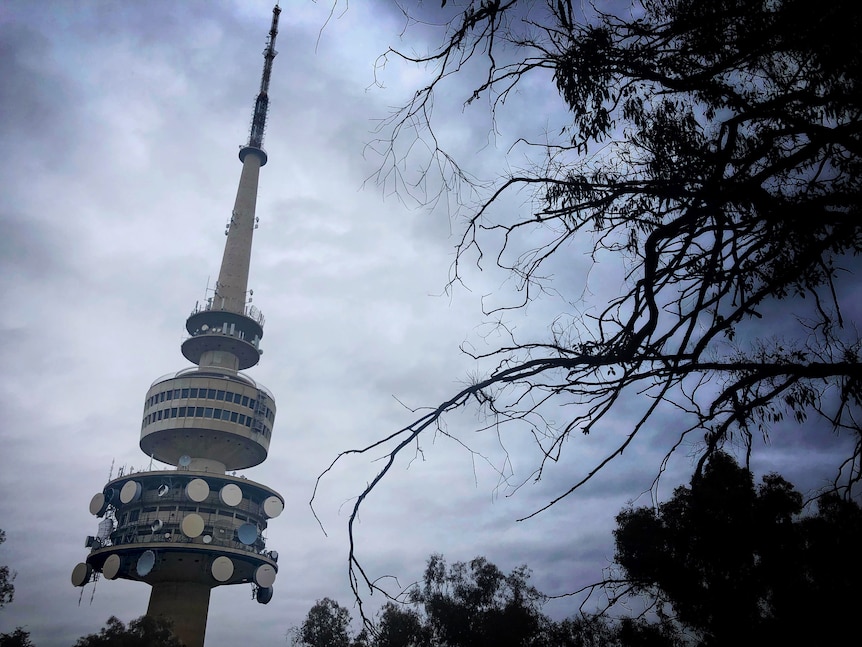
x=204 y=327
x=130 y=492
x=145 y=563
x=185 y=460
x=81 y=574
x=111 y=567
x=164 y=488
x=167 y=536
x=197 y=490
x=272 y=507
x=274 y=555
x=192 y=525
x=157 y=525
x=264 y=575
x=231 y=495
x=98 y=504
x=264 y=595
x=222 y=568
x=247 y=533
x=207 y=539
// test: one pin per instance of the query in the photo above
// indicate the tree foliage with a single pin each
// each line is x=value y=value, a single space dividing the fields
x=723 y=562
x=326 y=625
x=473 y=604
x=18 y=638
x=739 y=565
x=145 y=631
x=7 y=577
x=715 y=149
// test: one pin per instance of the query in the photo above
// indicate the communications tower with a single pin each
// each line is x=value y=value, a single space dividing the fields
x=187 y=530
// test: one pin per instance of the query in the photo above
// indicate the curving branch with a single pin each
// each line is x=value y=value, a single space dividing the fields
x=718 y=155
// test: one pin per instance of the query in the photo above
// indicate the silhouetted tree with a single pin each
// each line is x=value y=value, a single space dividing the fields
x=714 y=149
x=475 y=604
x=740 y=566
x=400 y=626
x=7 y=588
x=145 y=631
x=326 y=625
x=18 y=638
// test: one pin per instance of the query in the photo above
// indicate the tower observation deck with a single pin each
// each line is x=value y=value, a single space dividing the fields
x=187 y=530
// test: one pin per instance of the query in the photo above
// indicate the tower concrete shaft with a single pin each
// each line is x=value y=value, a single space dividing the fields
x=232 y=285
x=187 y=530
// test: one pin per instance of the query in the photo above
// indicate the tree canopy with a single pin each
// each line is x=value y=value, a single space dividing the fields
x=714 y=149
x=18 y=638
x=471 y=604
x=7 y=588
x=145 y=631
x=475 y=604
x=739 y=565
x=326 y=625
x=722 y=562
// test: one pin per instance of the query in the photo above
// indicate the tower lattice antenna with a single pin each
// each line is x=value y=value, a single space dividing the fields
x=261 y=104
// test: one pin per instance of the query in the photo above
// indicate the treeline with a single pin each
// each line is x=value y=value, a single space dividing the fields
x=723 y=562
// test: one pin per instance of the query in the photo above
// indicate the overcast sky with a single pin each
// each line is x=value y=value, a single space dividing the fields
x=120 y=129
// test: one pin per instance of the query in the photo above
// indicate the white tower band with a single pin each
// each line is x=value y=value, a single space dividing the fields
x=188 y=530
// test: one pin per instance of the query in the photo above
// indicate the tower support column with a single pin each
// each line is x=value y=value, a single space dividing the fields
x=185 y=605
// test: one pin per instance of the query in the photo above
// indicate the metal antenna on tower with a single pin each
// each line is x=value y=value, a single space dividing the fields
x=261 y=104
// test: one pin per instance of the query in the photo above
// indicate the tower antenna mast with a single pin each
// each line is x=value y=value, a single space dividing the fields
x=261 y=104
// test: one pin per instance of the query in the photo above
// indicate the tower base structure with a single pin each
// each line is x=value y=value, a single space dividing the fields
x=185 y=605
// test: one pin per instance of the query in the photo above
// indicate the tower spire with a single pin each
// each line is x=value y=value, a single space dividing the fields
x=232 y=285
x=261 y=104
